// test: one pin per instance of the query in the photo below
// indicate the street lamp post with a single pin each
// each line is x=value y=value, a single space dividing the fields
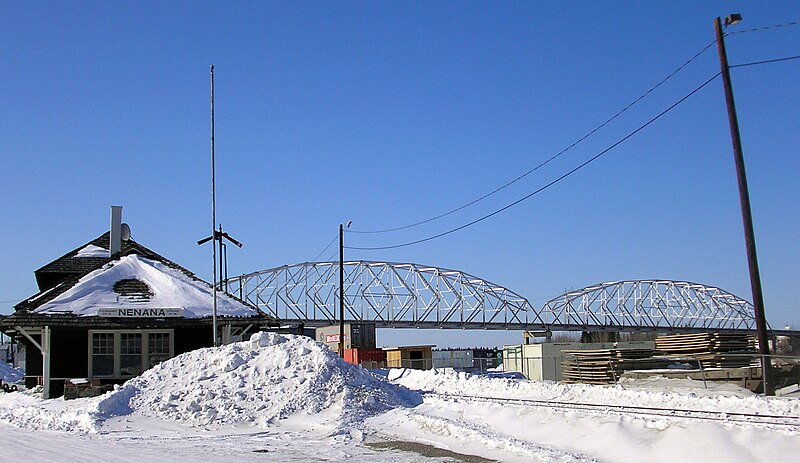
x=744 y=199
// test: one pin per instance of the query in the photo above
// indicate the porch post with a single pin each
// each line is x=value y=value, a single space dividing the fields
x=46 y=362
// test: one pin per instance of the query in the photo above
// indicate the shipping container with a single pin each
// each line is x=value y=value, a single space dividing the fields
x=356 y=336
x=367 y=358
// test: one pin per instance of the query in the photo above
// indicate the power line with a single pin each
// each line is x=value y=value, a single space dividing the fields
x=765 y=28
x=552 y=158
x=326 y=248
x=562 y=177
x=755 y=63
x=330 y=259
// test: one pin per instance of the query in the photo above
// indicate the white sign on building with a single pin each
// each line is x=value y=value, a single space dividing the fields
x=140 y=312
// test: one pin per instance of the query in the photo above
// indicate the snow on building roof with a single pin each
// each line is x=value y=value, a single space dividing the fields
x=92 y=251
x=166 y=288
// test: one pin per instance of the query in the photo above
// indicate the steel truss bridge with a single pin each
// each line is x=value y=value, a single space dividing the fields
x=406 y=295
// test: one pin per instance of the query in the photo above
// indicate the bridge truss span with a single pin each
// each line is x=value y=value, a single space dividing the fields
x=388 y=294
x=678 y=306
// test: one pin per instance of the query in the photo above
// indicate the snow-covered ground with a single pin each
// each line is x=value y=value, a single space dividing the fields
x=289 y=399
x=9 y=374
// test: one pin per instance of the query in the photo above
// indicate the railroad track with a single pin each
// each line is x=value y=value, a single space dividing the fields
x=779 y=421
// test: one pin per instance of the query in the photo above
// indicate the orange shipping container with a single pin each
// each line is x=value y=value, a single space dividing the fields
x=359 y=356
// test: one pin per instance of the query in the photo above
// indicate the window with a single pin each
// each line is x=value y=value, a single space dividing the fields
x=130 y=354
x=158 y=348
x=123 y=354
x=103 y=354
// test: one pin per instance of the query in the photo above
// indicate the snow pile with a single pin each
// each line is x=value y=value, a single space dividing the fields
x=268 y=378
x=448 y=381
x=27 y=411
x=9 y=374
x=170 y=288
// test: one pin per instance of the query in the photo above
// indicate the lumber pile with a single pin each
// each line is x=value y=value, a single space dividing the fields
x=712 y=350
x=605 y=366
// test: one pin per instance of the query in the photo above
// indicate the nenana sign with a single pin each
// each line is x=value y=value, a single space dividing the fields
x=140 y=312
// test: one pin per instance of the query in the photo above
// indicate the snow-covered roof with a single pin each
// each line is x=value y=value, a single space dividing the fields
x=168 y=288
x=92 y=251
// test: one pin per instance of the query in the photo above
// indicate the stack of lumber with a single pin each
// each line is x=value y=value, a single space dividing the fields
x=605 y=366
x=713 y=350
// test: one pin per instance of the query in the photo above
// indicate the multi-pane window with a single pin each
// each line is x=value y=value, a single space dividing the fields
x=122 y=354
x=158 y=348
x=103 y=354
x=130 y=354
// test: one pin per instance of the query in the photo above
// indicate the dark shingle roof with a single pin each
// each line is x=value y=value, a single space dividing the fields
x=70 y=265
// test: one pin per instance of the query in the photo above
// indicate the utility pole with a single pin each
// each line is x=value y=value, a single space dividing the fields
x=744 y=199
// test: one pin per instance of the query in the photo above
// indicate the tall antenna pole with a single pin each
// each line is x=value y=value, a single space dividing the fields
x=213 y=213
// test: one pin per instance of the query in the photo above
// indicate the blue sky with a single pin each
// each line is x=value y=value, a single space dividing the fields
x=393 y=112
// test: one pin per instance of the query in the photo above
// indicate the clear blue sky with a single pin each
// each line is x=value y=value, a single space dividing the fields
x=386 y=113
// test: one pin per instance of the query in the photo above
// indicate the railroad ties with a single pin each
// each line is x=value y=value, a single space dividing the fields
x=605 y=366
x=713 y=350
x=709 y=350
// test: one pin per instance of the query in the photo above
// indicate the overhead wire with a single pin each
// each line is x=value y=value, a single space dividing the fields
x=755 y=63
x=764 y=28
x=551 y=183
x=552 y=158
x=326 y=248
x=330 y=259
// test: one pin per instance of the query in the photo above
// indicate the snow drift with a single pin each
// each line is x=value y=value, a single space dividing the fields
x=448 y=381
x=268 y=378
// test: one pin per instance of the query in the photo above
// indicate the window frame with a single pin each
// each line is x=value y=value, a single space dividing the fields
x=117 y=341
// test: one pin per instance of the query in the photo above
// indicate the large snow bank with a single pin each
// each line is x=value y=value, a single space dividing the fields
x=448 y=381
x=171 y=288
x=268 y=378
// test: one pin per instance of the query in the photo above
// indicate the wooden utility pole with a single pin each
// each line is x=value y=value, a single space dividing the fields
x=744 y=199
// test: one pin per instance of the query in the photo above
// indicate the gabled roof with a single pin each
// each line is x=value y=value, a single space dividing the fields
x=83 y=278
x=89 y=257
x=133 y=282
